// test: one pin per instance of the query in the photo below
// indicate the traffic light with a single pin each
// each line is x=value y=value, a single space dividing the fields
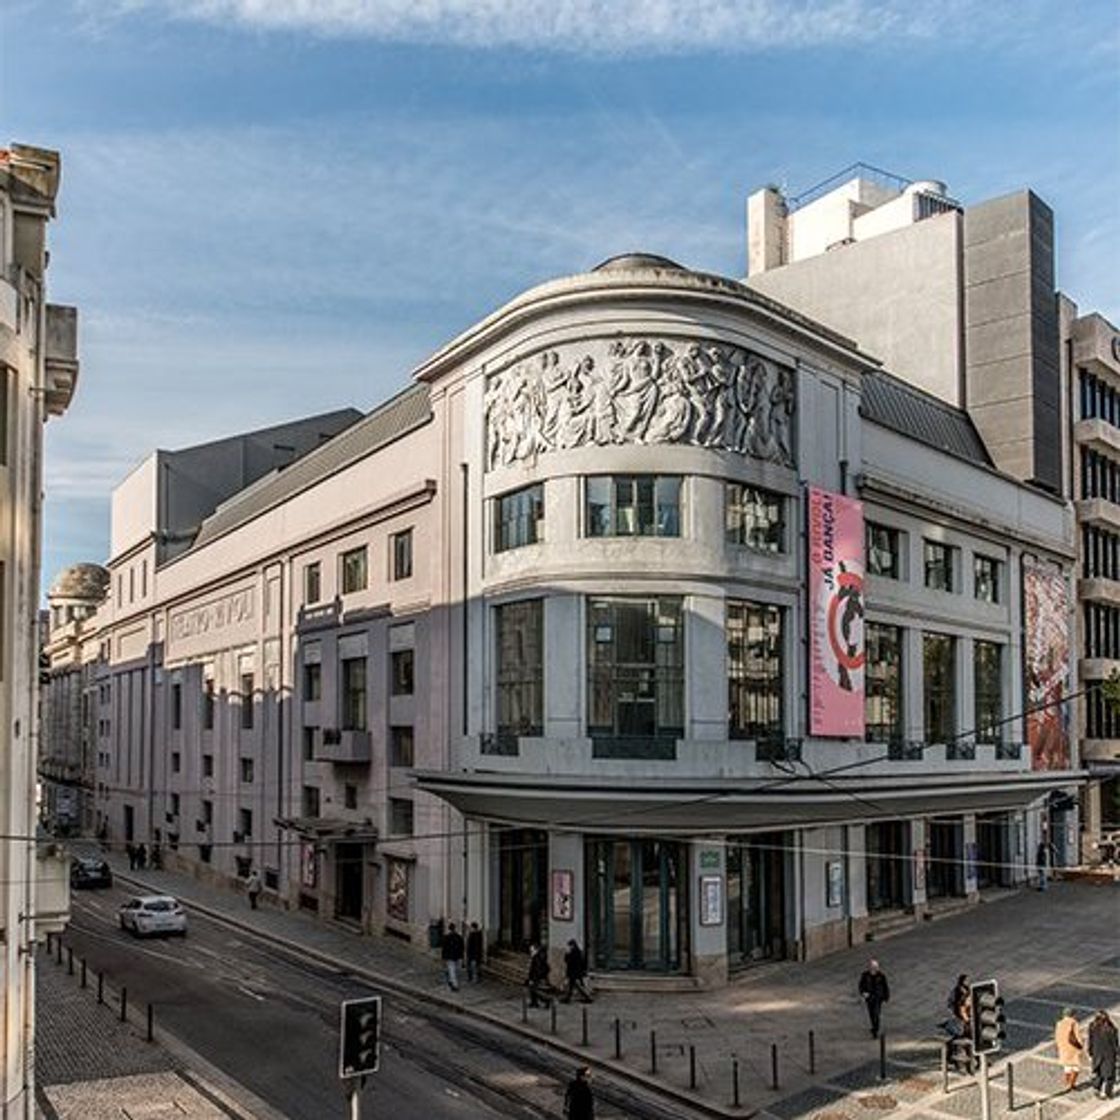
x=988 y=1021
x=359 y=1048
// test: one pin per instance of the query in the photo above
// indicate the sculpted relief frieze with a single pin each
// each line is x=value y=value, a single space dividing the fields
x=641 y=390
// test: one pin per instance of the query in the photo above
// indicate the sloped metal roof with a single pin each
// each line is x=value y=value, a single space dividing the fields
x=396 y=417
x=894 y=404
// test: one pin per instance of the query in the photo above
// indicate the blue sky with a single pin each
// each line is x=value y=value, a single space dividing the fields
x=276 y=207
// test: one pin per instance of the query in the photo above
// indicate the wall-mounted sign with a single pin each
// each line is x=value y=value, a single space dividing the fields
x=709 y=860
x=919 y=869
x=711 y=900
x=308 y=866
x=1046 y=653
x=835 y=883
x=562 y=892
x=836 y=649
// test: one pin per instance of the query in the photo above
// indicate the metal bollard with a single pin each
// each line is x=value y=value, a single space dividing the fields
x=83 y=972
x=618 y=1038
x=552 y=1016
x=524 y=1008
x=101 y=987
x=124 y=1005
x=812 y=1052
x=69 y=960
x=584 y=1010
x=774 y=1066
x=735 y=1081
x=882 y=1057
x=691 y=1066
x=653 y=1051
x=58 y=948
x=1010 y=1086
x=149 y=1022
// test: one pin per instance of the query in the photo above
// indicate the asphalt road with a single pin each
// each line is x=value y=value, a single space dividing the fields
x=270 y=1022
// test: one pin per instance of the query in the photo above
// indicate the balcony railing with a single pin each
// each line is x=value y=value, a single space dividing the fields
x=778 y=750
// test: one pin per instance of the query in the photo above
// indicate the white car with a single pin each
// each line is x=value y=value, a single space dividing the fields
x=153 y=913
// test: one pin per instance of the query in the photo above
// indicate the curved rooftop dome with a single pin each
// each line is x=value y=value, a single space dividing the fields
x=81 y=581
x=626 y=262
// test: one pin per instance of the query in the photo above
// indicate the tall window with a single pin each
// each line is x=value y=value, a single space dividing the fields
x=754 y=670
x=987 y=675
x=754 y=517
x=986 y=571
x=246 y=701
x=354 y=570
x=176 y=706
x=883 y=697
x=312 y=681
x=635 y=667
x=354 y=693
x=310 y=801
x=400 y=816
x=402 y=554
x=519 y=518
x=401 y=664
x=939 y=696
x=401 y=746
x=312 y=583
x=884 y=552
x=643 y=505
x=939 y=565
x=520 y=668
x=208 y=704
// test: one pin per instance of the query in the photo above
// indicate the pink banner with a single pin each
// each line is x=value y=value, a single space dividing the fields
x=836 y=649
x=1047 y=653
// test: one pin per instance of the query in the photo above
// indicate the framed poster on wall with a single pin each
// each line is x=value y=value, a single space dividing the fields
x=834 y=883
x=711 y=900
x=562 y=888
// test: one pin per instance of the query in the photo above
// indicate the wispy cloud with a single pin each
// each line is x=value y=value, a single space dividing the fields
x=606 y=27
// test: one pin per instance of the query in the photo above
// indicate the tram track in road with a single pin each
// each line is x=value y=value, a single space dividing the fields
x=467 y=1060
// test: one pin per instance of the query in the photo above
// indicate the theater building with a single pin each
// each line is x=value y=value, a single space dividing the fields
x=652 y=614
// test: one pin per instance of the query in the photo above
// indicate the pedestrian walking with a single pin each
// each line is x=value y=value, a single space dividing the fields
x=875 y=991
x=1044 y=860
x=130 y=851
x=1103 y=1047
x=579 y=1103
x=474 y=953
x=1067 y=1039
x=575 y=971
x=451 y=949
x=157 y=858
x=537 y=980
x=960 y=1007
x=253 y=887
x=142 y=857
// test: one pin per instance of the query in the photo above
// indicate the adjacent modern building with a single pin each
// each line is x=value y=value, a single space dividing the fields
x=961 y=301
x=38 y=373
x=653 y=613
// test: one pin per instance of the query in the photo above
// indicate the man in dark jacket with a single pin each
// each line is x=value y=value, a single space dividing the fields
x=575 y=969
x=452 y=952
x=474 y=952
x=537 y=980
x=875 y=991
x=1103 y=1047
x=579 y=1104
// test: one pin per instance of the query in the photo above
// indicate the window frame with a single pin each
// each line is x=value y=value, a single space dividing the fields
x=985 y=728
x=401 y=552
x=352 y=581
x=995 y=566
x=894 y=549
x=747 y=691
x=739 y=499
x=518 y=518
x=928 y=565
x=519 y=687
x=398 y=686
x=312 y=583
x=947 y=689
x=663 y=487
x=880 y=698
x=353 y=702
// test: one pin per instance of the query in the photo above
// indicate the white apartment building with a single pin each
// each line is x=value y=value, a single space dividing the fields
x=38 y=373
x=961 y=301
x=537 y=643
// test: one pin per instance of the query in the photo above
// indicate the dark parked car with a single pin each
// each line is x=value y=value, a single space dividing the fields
x=90 y=872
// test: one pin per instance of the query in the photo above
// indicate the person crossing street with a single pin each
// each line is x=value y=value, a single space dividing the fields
x=875 y=991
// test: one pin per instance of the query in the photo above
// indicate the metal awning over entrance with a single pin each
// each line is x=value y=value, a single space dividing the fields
x=330 y=830
x=687 y=806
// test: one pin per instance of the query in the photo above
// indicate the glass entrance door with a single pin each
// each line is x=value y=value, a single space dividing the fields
x=945 y=874
x=888 y=865
x=993 y=846
x=348 y=865
x=637 y=900
x=523 y=871
x=756 y=898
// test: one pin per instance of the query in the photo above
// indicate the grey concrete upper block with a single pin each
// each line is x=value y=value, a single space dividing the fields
x=1002 y=298
x=1002 y=256
x=997 y=217
x=994 y=341
x=1004 y=422
x=993 y=382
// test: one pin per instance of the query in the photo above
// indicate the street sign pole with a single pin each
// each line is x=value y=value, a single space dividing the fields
x=985 y=1090
x=355 y=1103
